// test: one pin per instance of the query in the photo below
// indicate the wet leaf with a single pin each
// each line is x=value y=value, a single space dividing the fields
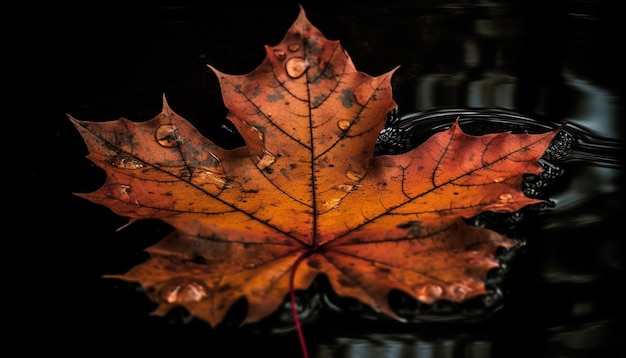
x=306 y=193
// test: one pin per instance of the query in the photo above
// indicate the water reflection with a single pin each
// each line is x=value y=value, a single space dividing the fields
x=593 y=107
x=480 y=73
x=404 y=346
x=398 y=348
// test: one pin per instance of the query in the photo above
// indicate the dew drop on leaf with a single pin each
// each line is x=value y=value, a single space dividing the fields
x=279 y=54
x=293 y=47
x=459 y=291
x=344 y=124
x=505 y=197
x=258 y=132
x=167 y=136
x=125 y=161
x=430 y=291
x=266 y=160
x=332 y=203
x=205 y=175
x=498 y=180
x=296 y=67
x=183 y=290
x=345 y=187
x=354 y=175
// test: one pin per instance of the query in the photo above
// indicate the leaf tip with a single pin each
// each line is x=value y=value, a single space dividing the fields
x=166 y=106
x=215 y=70
x=74 y=121
x=301 y=12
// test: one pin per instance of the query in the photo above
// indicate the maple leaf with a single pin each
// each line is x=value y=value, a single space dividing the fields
x=306 y=196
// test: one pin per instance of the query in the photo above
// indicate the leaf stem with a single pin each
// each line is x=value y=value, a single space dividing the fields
x=294 y=308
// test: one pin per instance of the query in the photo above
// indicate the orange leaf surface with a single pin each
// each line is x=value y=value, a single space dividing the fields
x=306 y=193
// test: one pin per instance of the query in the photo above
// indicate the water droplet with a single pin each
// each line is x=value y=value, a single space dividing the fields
x=183 y=290
x=332 y=203
x=296 y=67
x=435 y=289
x=125 y=161
x=167 y=136
x=459 y=291
x=203 y=175
x=266 y=160
x=258 y=132
x=293 y=47
x=213 y=173
x=126 y=194
x=499 y=179
x=344 y=124
x=279 y=54
x=430 y=292
x=354 y=175
x=125 y=190
x=345 y=187
x=249 y=266
x=505 y=197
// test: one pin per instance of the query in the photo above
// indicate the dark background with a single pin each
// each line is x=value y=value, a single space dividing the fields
x=102 y=61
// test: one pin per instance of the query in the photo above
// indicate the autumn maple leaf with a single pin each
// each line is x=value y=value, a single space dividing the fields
x=306 y=196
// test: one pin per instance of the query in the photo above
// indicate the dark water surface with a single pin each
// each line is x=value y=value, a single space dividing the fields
x=520 y=66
